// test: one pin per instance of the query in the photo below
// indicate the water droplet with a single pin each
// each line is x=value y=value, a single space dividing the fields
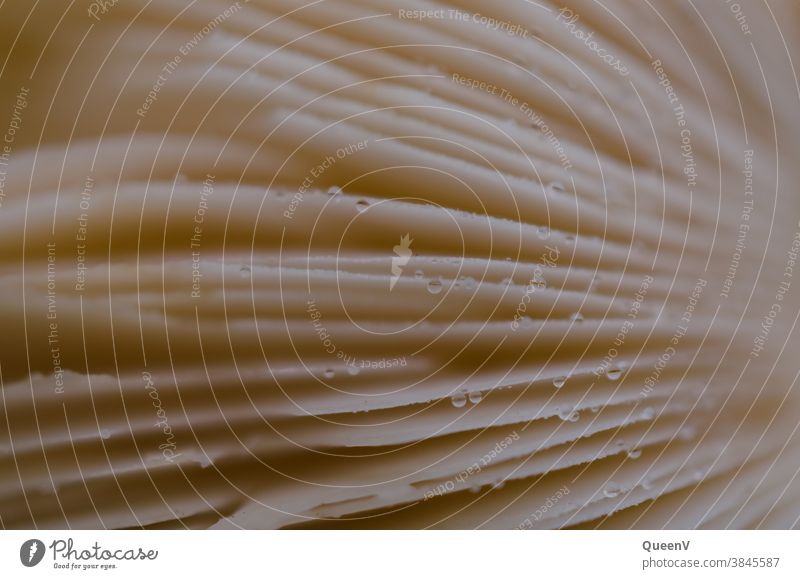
x=361 y=205
x=245 y=271
x=594 y=409
x=329 y=373
x=476 y=396
x=507 y=281
x=459 y=400
x=613 y=373
x=687 y=433
x=353 y=370
x=335 y=190
x=557 y=187
x=543 y=232
x=647 y=484
x=435 y=286
x=612 y=490
x=620 y=442
x=419 y=274
x=559 y=381
x=648 y=413
x=105 y=434
x=576 y=317
x=634 y=453
x=569 y=415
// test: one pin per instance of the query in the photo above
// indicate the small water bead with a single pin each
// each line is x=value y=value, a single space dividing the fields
x=557 y=187
x=245 y=271
x=559 y=381
x=576 y=317
x=634 y=453
x=612 y=490
x=353 y=370
x=459 y=400
x=647 y=483
x=569 y=415
x=419 y=274
x=435 y=286
x=613 y=373
x=329 y=373
x=335 y=190
x=361 y=205
x=476 y=396
x=468 y=282
x=507 y=281
x=105 y=434
x=687 y=433
x=543 y=232
x=648 y=413
x=594 y=409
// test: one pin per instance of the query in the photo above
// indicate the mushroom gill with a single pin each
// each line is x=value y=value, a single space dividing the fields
x=399 y=264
